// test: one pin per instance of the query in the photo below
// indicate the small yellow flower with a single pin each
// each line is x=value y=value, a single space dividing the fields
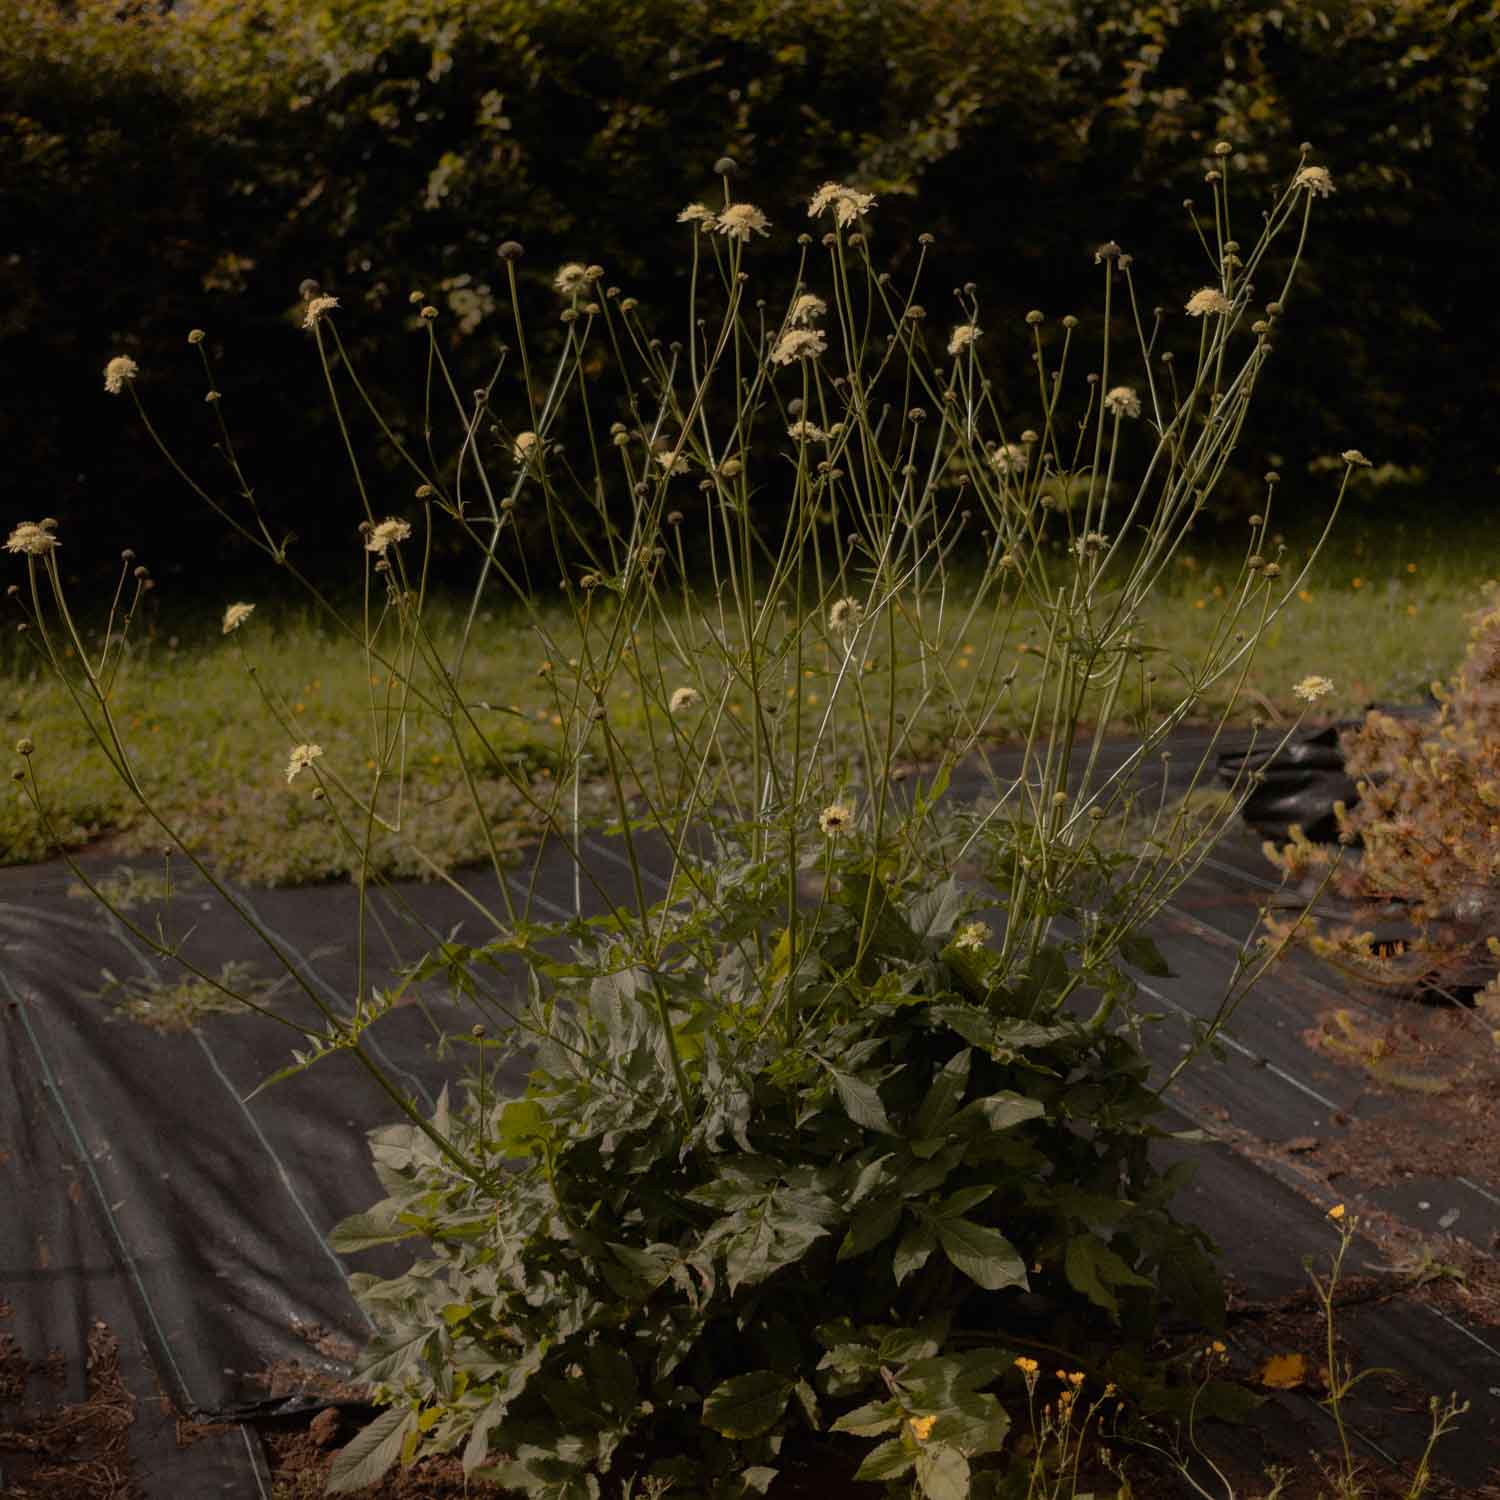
x=835 y=819
x=1336 y=1212
x=236 y=615
x=1026 y=1366
x=1076 y=1377
x=1304 y=596
x=1356 y=583
x=1218 y=1347
x=921 y=1427
x=971 y=936
x=301 y=758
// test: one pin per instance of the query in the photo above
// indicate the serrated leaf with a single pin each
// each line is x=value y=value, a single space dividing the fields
x=747 y=1405
x=861 y=1102
x=942 y=1472
x=372 y=1451
x=911 y=1254
x=871 y=1226
x=934 y=912
x=520 y=1124
x=999 y=1111
x=360 y=1231
x=945 y=1095
x=871 y=1419
x=984 y=1255
x=890 y=1460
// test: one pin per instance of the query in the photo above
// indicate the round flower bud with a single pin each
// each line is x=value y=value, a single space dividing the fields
x=24 y=747
x=510 y=250
x=1070 y=321
x=429 y=313
x=726 y=166
x=925 y=239
x=308 y=290
x=196 y=336
x=416 y=298
x=1034 y=317
x=1222 y=148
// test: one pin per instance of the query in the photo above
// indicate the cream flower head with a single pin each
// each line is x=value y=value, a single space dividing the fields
x=835 y=819
x=301 y=758
x=119 y=372
x=806 y=432
x=848 y=204
x=685 y=698
x=527 y=446
x=571 y=278
x=799 y=343
x=34 y=538
x=696 y=213
x=1122 y=401
x=316 y=308
x=1310 y=689
x=235 y=616
x=962 y=336
x=388 y=531
x=1010 y=458
x=845 y=615
x=1316 y=180
x=805 y=309
x=1354 y=458
x=971 y=936
x=1209 y=300
x=740 y=220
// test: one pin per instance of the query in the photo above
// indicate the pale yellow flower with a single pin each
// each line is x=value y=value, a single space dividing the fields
x=301 y=758
x=1009 y=458
x=236 y=615
x=1122 y=401
x=1310 y=689
x=33 y=538
x=835 y=818
x=118 y=372
x=316 y=308
x=806 y=308
x=799 y=343
x=848 y=204
x=685 y=698
x=571 y=278
x=1209 y=300
x=972 y=936
x=1355 y=458
x=1316 y=180
x=389 y=530
x=740 y=220
x=962 y=336
x=696 y=213
x=845 y=615
x=527 y=445
x=805 y=432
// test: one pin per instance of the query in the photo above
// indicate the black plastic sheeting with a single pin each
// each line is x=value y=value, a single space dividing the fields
x=1301 y=781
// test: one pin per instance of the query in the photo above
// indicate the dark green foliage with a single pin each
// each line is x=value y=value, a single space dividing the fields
x=166 y=170
x=891 y=1178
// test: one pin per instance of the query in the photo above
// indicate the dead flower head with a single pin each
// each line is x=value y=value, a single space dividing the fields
x=740 y=220
x=34 y=538
x=119 y=372
x=301 y=758
x=388 y=531
x=316 y=308
x=236 y=615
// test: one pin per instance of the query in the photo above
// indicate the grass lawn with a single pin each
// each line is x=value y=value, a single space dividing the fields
x=1382 y=615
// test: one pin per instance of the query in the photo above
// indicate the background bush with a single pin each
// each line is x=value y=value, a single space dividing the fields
x=198 y=162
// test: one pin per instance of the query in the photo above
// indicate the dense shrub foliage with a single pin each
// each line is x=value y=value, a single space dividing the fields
x=164 y=167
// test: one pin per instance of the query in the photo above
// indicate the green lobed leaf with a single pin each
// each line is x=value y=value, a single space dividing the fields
x=747 y=1405
x=942 y=1472
x=890 y=1460
x=1141 y=952
x=1093 y=1268
x=360 y=1231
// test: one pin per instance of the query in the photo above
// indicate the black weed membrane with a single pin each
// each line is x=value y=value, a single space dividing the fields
x=151 y=1188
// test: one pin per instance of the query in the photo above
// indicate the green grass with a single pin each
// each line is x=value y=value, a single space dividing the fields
x=1383 y=614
